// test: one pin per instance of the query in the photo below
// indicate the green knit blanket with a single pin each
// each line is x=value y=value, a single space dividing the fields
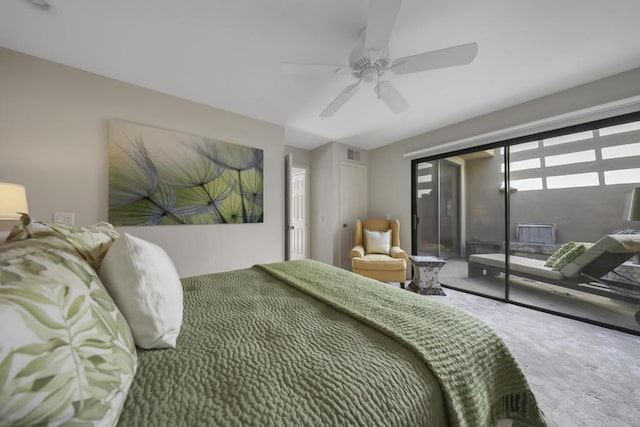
x=481 y=381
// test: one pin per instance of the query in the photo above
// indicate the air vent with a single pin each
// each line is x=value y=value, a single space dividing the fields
x=353 y=155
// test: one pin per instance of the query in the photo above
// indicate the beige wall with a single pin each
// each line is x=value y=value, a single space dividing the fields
x=324 y=203
x=390 y=172
x=53 y=139
x=300 y=156
x=325 y=200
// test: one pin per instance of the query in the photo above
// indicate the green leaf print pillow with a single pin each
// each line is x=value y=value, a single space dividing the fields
x=67 y=354
x=569 y=256
x=91 y=242
x=564 y=249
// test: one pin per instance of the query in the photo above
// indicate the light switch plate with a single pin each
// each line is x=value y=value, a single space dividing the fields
x=66 y=218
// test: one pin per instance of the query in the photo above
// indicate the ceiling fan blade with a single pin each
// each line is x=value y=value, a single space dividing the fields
x=337 y=103
x=380 y=22
x=390 y=96
x=449 y=57
x=302 y=68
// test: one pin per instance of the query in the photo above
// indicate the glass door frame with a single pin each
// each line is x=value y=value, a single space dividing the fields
x=596 y=124
x=415 y=220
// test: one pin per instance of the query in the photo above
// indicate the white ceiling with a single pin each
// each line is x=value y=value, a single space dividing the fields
x=227 y=54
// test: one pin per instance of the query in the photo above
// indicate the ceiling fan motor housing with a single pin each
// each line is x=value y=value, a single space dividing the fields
x=368 y=65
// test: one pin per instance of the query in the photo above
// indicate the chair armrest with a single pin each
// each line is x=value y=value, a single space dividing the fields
x=398 y=252
x=356 y=252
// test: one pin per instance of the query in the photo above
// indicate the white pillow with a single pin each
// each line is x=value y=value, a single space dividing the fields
x=145 y=286
x=378 y=242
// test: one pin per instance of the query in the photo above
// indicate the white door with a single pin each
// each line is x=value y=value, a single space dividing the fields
x=298 y=233
x=353 y=205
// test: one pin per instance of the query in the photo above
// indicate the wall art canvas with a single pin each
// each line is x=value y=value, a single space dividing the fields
x=161 y=177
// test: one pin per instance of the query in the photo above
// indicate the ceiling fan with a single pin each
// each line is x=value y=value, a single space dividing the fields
x=369 y=60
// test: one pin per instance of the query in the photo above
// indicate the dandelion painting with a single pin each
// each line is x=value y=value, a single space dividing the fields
x=160 y=177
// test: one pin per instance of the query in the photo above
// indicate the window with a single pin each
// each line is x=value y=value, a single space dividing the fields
x=622 y=176
x=524 y=165
x=579 y=163
x=570 y=158
x=572 y=181
x=626 y=127
x=564 y=139
x=527 y=184
x=619 y=151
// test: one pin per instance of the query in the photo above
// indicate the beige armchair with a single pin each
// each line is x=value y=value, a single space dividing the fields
x=376 y=263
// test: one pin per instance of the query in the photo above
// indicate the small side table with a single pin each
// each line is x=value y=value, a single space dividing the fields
x=426 y=274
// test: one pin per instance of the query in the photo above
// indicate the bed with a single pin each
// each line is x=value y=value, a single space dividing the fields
x=291 y=343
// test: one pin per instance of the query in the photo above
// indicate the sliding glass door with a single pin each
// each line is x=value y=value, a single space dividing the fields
x=502 y=215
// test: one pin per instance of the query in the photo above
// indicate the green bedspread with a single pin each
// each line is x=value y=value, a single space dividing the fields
x=320 y=346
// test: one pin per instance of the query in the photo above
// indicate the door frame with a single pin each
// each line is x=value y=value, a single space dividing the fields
x=288 y=160
x=459 y=167
x=307 y=207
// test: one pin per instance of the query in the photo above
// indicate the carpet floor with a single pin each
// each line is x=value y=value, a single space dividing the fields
x=581 y=374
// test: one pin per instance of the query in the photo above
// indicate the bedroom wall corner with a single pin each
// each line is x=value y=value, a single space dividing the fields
x=53 y=139
x=300 y=155
x=324 y=203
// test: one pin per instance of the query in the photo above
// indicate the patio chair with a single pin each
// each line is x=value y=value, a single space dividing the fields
x=584 y=273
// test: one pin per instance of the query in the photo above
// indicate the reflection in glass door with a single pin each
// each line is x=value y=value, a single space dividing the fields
x=458 y=215
x=574 y=190
x=449 y=210
x=436 y=221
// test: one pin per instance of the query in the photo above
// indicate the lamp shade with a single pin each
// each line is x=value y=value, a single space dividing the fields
x=634 y=206
x=13 y=201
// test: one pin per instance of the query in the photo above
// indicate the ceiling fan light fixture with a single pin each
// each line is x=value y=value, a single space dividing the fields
x=41 y=5
x=370 y=74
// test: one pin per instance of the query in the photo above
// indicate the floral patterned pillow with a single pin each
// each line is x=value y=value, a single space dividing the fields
x=91 y=242
x=67 y=354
